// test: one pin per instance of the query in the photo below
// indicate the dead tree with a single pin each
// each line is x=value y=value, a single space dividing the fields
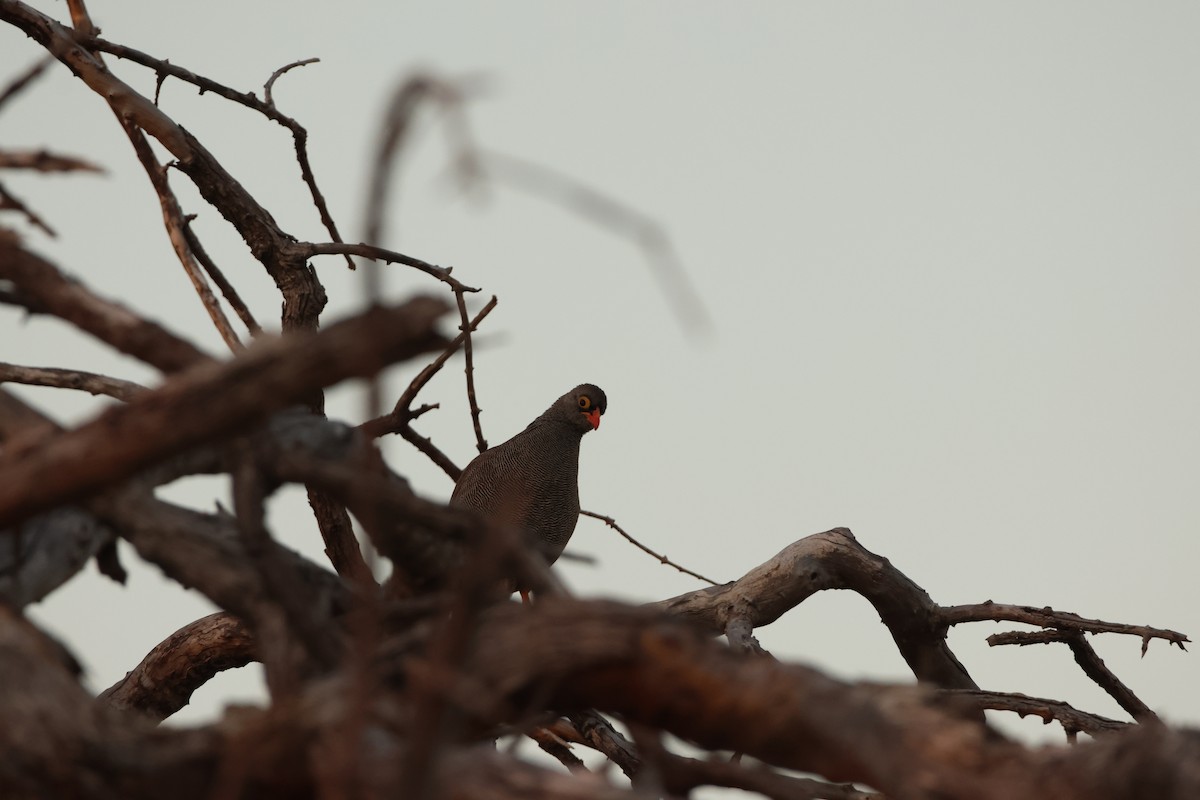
x=400 y=688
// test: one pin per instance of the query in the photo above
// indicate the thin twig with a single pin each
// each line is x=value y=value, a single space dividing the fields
x=18 y=84
x=1089 y=661
x=555 y=746
x=90 y=382
x=603 y=210
x=612 y=523
x=426 y=446
x=393 y=135
x=423 y=377
x=45 y=161
x=278 y=73
x=469 y=369
x=218 y=277
x=1049 y=618
x=1094 y=667
x=592 y=729
x=173 y=219
x=163 y=67
x=406 y=99
x=282 y=582
x=403 y=413
x=383 y=254
x=8 y=202
x=1072 y=719
x=80 y=19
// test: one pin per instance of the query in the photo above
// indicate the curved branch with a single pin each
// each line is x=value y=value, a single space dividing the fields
x=310 y=249
x=277 y=74
x=832 y=560
x=165 y=679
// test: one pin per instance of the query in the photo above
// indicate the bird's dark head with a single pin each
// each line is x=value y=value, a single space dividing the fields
x=582 y=407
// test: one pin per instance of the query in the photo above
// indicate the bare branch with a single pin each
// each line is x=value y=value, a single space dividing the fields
x=1049 y=618
x=1089 y=661
x=425 y=541
x=173 y=219
x=426 y=446
x=907 y=741
x=612 y=523
x=204 y=552
x=227 y=291
x=80 y=19
x=380 y=254
x=278 y=73
x=22 y=81
x=268 y=376
x=164 y=68
x=832 y=560
x=681 y=775
x=399 y=419
x=66 y=298
x=1072 y=719
x=9 y=202
x=557 y=748
x=469 y=369
x=165 y=679
x=284 y=261
x=405 y=101
x=47 y=551
x=45 y=161
x=541 y=181
x=403 y=412
x=592 y=729
x=284 y=584
x=71 y=379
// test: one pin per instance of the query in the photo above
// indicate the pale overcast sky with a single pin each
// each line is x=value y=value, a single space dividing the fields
x=949 y=250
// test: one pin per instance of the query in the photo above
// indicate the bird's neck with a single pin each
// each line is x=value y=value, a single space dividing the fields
x=544 y=427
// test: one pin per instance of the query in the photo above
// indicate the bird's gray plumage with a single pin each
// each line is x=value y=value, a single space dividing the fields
x=531 y=482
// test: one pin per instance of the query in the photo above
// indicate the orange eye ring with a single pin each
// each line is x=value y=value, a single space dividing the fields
x=585 y=402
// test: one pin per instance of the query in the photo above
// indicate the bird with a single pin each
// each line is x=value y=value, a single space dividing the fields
x=531 y=481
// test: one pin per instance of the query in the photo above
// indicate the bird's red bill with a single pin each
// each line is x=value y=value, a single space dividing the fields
x=593 y=417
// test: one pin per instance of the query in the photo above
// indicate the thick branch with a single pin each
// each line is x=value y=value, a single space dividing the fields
x=907 y=741
x=832 y=560
x=210 y=400
x=66 y=298
x=179 y=665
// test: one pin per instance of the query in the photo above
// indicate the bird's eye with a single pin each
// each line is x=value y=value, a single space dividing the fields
x=585 y=402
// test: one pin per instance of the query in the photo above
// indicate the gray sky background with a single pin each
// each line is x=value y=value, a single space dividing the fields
x=949 y=250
